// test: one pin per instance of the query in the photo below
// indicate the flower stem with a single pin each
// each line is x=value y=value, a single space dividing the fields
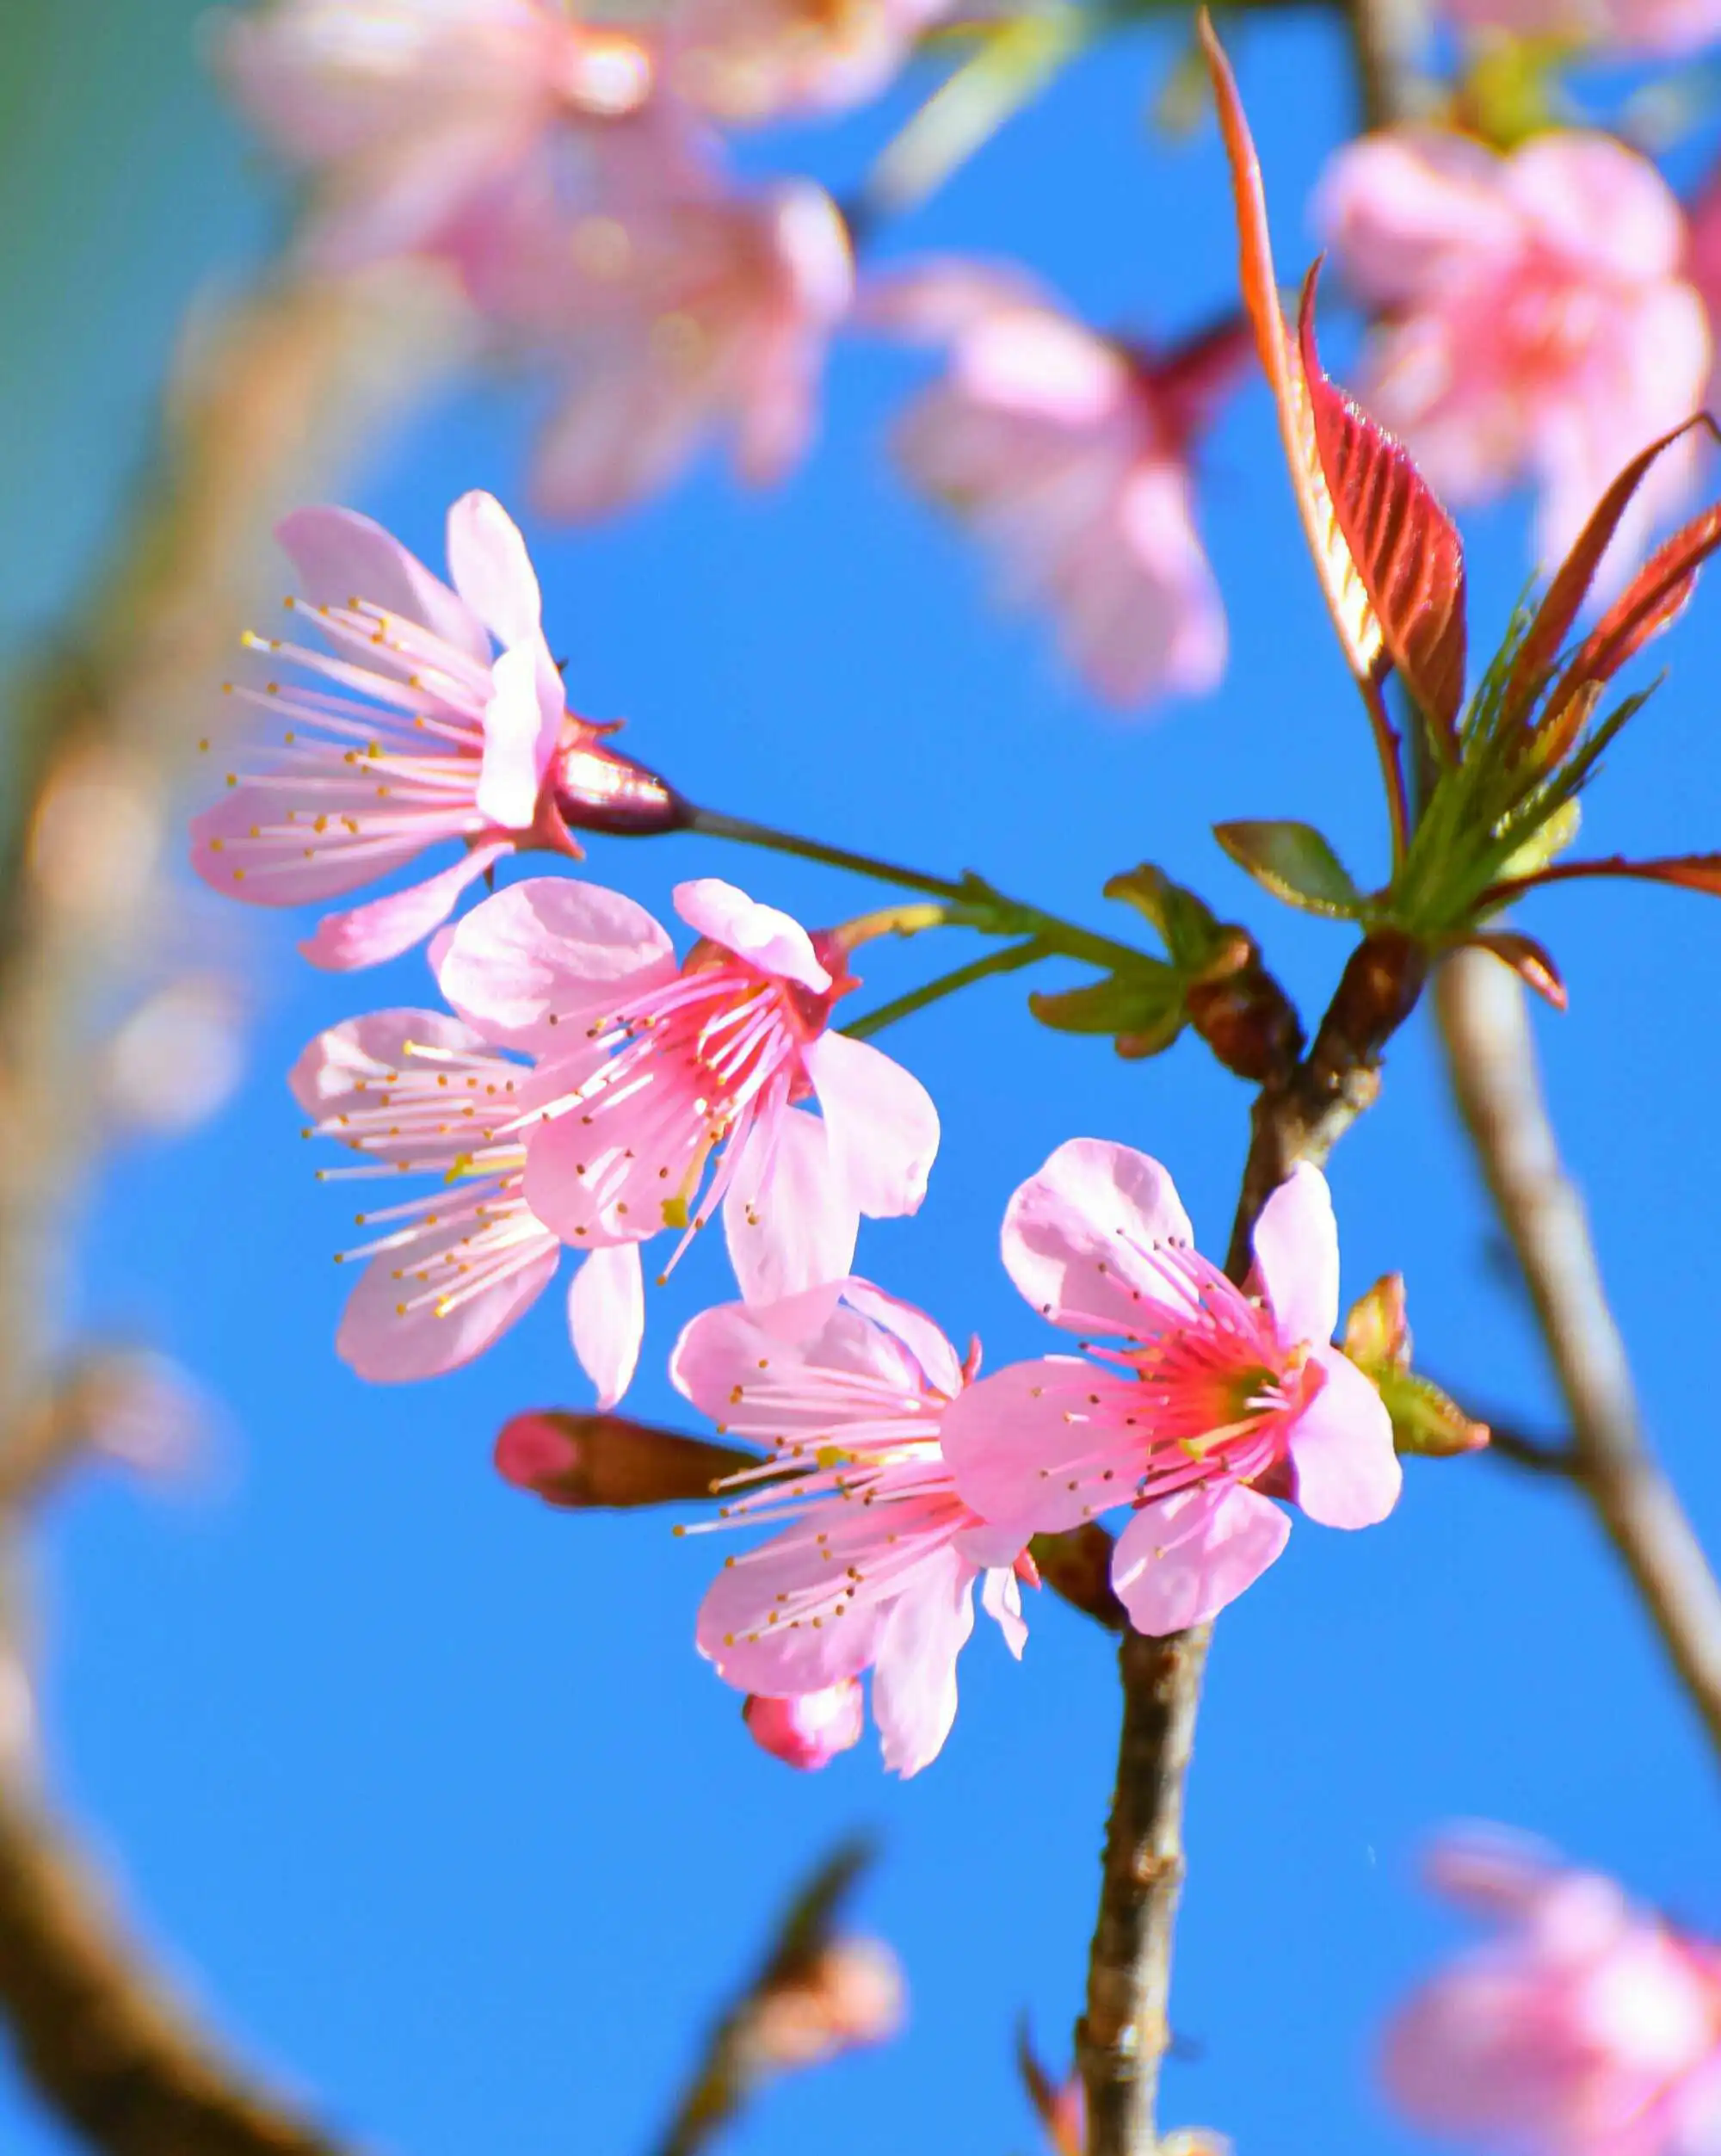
x=1008 y=959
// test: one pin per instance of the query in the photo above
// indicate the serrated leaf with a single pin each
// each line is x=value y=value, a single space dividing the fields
x=1656 y=596
x=1426 y=1422
x=1295 y=863
x=1571 y=581
x=1538 y=847
x=1405 y=548
x=1528 y=959
x=1690 y=872
x=1191 y=931
x=1354 y=617
x=1144 y=1006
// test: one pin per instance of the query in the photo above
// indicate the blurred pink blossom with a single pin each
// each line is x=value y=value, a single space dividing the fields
x=1585 y=2027
x=1216 y=1402
x=418 y=1092
x=808 y=1730
x=673 y=317
x=659 y=1069
x=876 y=1566
x=1535 y=324
x=1070 y=453
x=423 y=119
x=1668 y=29
x=749 y=60
x=1702 y=268
x=420 y=735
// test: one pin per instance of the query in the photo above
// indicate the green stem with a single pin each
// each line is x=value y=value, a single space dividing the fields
x=1007 y=960
x=973 y=902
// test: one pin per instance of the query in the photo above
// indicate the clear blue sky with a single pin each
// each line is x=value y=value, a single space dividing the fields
x=423 y=1787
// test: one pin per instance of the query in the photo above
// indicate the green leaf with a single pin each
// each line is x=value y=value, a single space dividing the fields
x=1144 y=1007
x=1295 y=863
x=1192 y=933
x=1427 y=1421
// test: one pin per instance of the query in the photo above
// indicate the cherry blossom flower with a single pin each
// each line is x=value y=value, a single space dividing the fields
x=808 y=1732
x=876 y=1566
x=1585 y=2027
x=749 y=60
x=422 y=119
x=660 y=1068
x=1667 y=29
x=674 y=317
x=422 y=737
x=416 y=1091
x=1216 y=1402
x=1535 y=325
x=1069 y=453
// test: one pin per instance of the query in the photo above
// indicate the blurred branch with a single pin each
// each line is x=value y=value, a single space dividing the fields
x=1490 y=1055
x=794 y=2011
x=269 y=401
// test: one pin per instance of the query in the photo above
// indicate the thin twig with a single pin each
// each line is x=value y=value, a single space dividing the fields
x=1491 y=1057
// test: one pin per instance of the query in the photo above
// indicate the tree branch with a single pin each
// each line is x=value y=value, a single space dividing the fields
x=1490 y=1055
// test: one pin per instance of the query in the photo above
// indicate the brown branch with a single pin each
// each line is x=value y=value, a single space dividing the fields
x=1299 y=1114
x=1490 y=1055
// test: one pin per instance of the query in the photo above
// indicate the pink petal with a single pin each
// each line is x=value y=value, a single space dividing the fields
x=918 y=1334
x=622 y=436
x=1181 y=1560
x=830 y=1366
x=538 y=962
x=1347 y=1472
x=760 y=934
x=936 y=299
x=1043 y=1446
x=607 y=1318
x=1493 y=1870
x=1075 y=1235
x=914 y=1673
x=809 y=1730
x=282 y=871
x=787 y=1217
x=1297 y=1249
x=508 y=779
x=1001 y=1599
x=390 y=1348
x=736 y=1634
x=1032 y=360
x=343 y=1060
x=492 y=571
x=341 y=556
x=882 y=1123
x=605 y=1174
x=383 y=928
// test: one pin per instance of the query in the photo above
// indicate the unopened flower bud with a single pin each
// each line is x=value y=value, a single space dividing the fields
x=851 y=1992
x=808 y=1731
x=595 y=788
x=583 y=1461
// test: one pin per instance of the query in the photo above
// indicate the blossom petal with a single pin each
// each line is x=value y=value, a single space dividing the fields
x=1347 y=1472
x=1181 y=1560
x=1297 y=1248
x=541 y=959
x=914 y=1673
x=736 y=1633
x=607 y=1318
x=918 y=1334
x=508 y=779
x=772 y=940
x=345 y=1059
x=492 y=571
x=881 y=1121
x=341 y=556
x=390 y=1335
x=1046 y=1445
x=787 y=1217
x=245 y=847
x=1078 y=1237
x=383 y=928
x=1000 y=1598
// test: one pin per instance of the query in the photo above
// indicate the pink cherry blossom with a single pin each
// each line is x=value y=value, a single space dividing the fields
x=415 y=1092
x=876 y=1566
x=664 y=1068
x=1216 y=1402
x=1585 y=2027
x=1534 y=325
x=809 y=1731
x=1069 y=452
x=1665 y=28
x=675 y=317
x=749 y=60
x=422 y=119
x=422 y=736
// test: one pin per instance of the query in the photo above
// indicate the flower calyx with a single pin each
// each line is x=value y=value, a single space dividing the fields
x=1426 y=1420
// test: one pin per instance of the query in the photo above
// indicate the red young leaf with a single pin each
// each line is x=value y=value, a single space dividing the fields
x=1348 y=601
x=1528 y=960
x=1654 y=597
x=1691 y=872
x=1406 y=549
x=1572 y=579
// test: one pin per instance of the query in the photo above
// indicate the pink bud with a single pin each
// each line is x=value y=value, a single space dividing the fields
x=809 y=1729
x=583 y=1461
x=850 y=1993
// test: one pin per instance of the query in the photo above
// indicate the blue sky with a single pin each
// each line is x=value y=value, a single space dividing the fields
x=422 y=1787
